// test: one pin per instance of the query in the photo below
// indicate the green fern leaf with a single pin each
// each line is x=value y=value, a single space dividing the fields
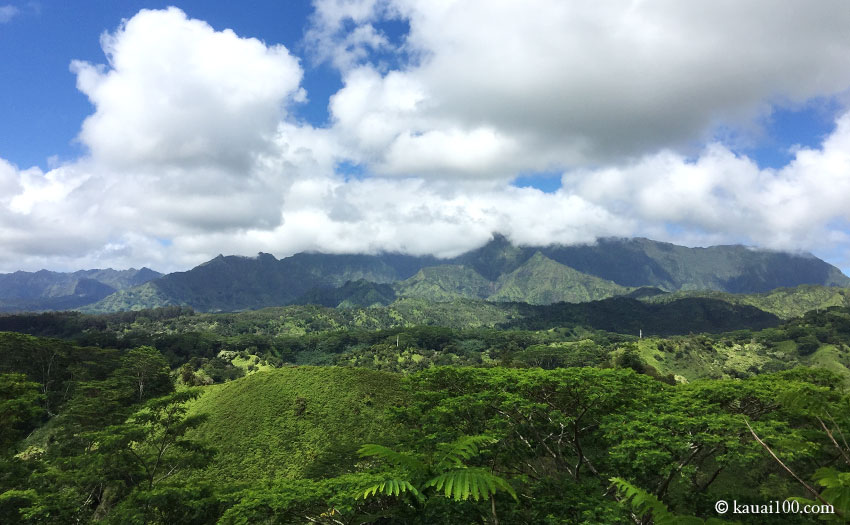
x=642 y=502
x=457 y=484
x=461 y=490
x=392 y=487
x=389 y=455
x=464 y=448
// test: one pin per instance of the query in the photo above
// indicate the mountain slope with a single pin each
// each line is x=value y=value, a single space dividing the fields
x=495 y=258
x=541 y=280
x=445 y=282
x=46 y=290
x=735 y=269
x=785 y=303
x=353 y=293
x=234 y=283
x=498 y=270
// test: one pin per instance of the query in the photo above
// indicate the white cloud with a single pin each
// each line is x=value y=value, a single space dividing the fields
x=329 y=40
x=190 y=134
x=7 y=13
x=570 y=83
x=186 y=121
x=714 y=198
x=800 y=206
x=193 y=151
x=177 y=92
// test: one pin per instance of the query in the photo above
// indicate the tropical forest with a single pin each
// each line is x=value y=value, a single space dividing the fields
x=509 y=385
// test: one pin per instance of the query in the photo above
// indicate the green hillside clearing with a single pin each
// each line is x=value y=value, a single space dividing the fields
x=294 y=422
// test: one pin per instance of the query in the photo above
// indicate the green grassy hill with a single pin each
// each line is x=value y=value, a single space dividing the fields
x=295 y=422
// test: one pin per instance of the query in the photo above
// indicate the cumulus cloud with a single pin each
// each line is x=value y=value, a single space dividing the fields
x=190 y=133
x=178 y=92
x=331 y=39
x=566 y=84
x=187 y=119
x=726 y=196
x=193 y=151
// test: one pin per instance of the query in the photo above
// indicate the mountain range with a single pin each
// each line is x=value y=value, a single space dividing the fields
x=46 y=290
x=498 y=271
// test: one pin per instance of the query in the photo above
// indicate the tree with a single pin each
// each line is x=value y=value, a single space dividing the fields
x=148 y=370
x=20 y=408
x=123 y=472
x=151 y=448
x=647 y=506
x=807 y=344
x=153 y=443
x=828 y=409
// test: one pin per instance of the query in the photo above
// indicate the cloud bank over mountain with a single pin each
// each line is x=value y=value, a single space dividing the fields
x=194 y=148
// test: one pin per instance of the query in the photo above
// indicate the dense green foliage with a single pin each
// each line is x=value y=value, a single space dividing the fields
x=174 y=328
x=420 y=413
x=785 y=303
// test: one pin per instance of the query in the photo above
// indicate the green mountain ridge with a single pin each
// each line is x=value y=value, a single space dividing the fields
x=540 y=280
x=497 y=271
x=445 y=283
x=730 y=268
x=46 y=290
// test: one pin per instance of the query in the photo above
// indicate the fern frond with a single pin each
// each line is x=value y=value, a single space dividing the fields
x=643 y=503
x=389 y=455
x=461 y=484
x=462 y=449
x=836 y=487
x=392 y=487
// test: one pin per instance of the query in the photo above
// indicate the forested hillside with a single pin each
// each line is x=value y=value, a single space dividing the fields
x=225 y=427
x=412 y=390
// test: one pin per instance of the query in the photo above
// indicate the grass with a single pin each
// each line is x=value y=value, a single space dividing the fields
x=295 y=422
x=831 y=358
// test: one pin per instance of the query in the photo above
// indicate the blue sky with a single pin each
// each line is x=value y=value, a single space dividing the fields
x=42 y=109
x=369 y=125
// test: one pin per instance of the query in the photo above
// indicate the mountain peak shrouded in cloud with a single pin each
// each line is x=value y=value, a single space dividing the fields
x=195 y=136
x=497 y=271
